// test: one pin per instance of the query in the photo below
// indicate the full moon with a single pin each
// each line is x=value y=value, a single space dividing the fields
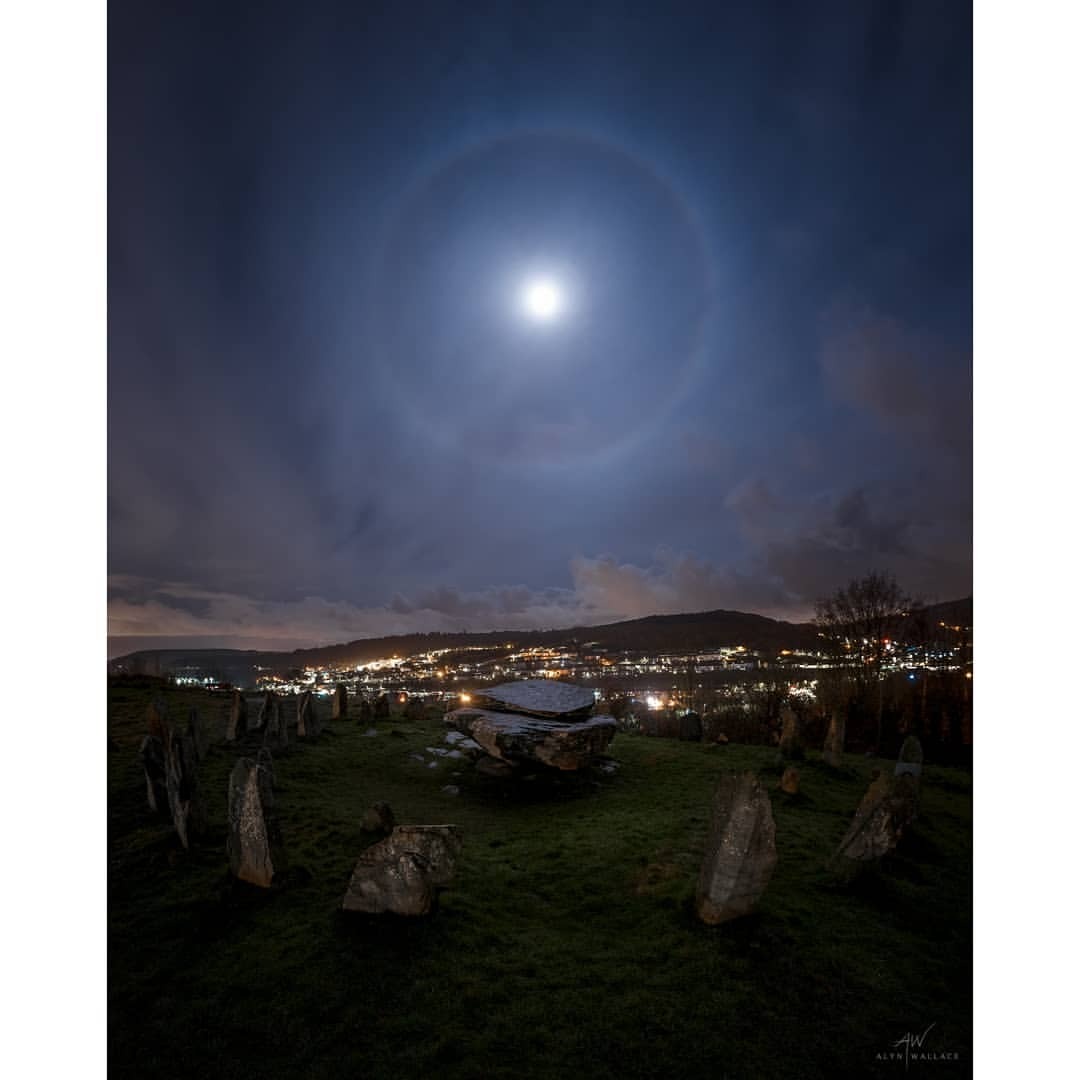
x=542 y=299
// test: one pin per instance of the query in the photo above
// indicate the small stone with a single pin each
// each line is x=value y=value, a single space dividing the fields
x=371 y=733
x=789 y=782
x=378 y=819
x=451 y=789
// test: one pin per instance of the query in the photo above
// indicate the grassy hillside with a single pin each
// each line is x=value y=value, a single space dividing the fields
x=566 y=945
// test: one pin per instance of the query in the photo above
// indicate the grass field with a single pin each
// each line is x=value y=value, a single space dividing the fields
x=566 y=945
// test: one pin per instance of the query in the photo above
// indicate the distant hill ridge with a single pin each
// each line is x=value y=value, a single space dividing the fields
x=653 y=633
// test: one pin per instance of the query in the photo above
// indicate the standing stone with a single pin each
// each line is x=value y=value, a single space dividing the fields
x=237 y=718
x=182 y=786
x=834 y=741
x=415 y=709
x=789 y=782
x=379 y=819
x=307 y=719
x=339 y=703
x=152 y=756
x=791 y=747
x=254 y=843
x=157 y=721
x=265 y=760
x=275 y=730
x=887 y=809
x=690 y=727
x=198 y=735
x=740 y=853
x=911 y=758
x=366 y=713
x=382 y=707
x=401 y=873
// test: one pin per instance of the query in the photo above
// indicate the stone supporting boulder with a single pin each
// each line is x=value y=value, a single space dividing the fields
x=740 y=853
x=152 y=756
x=307 y=719
x=910 y=759
x=789 y=782
x=378 y=819
x=401 y=874
x=513 y=737
x=791 y=746
x=237 y=727
x=182 y=786
x=254 y=843
x=833 y=752
x=339 y=703
x=886 y=810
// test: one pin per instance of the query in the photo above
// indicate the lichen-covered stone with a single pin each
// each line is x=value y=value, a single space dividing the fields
x=834 y=741
x=537 y=697
x=307 y=717
x=254 y=845
x=401 y=874
x=558 y=744
x=339 y=703
x=740 y=852
x=152 y=756
x=886 y=810
x=237 y=726
x=791 y=746
x=182 y=786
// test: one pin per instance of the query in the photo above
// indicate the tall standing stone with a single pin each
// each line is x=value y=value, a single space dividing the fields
x=265 y=760
x=307 y=719
x=366 y=715
x=198 y=735
x=382 y=707
x=237 y=718
x=157 y=721
x=254 y=844
x=833 y=753
x=152 y=756
x=740 y=853
x=910 y=759
x=791 y=746
x=182 y=786
x=886 y=810
x=339 y=703
x=275 y=730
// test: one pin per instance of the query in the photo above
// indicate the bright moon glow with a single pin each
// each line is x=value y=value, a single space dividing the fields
x=542 y=299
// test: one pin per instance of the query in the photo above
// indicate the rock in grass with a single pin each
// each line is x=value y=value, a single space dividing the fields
x=254 y=844
x=911 y=758
x=886 y=810
x=789 y=782
x=152 y=756
x=275 y=730
x=307 y=719
x=339 y=703
x=378 y=819
x=740 y=853
x=237 y=727
x=791 y=746
x=834 y=741
x=401 y=874
x=182 y=786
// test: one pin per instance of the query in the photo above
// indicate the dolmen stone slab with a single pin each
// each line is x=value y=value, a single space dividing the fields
x=889 y=806
x=307 y=718
x=791 y=745
x=740 y=852
x=237 y=726
x=514 y=737
x=833 y=752
x=256 y=851
x=401 y=874
x=182 y=786
x=911 y=758
x=537 y=697
x=339 y=703
x=274 y=728
x=152 y=757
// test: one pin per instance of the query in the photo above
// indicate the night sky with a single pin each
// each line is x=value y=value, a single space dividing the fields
x=330 y=414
